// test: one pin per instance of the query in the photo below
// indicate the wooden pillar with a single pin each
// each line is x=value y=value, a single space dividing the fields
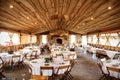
x=20 y=38
x=11 y=35
x=30 y=38
x=87 y=38
x=119 y=39
x=98 y=39
x=38 y=38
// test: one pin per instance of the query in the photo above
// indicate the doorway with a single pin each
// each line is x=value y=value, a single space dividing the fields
x=59 y=41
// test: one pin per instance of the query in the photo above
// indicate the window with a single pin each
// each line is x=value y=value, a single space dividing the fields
x=73 y=39
x=44 y=38
x=15 y=39
x=5 y=39
x=92 y=39
x=34 y=39
x=8 y=39
x=114 y=39
x=84 y=40
x=103 y=39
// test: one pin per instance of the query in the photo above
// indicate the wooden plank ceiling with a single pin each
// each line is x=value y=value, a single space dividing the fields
x=80 y=16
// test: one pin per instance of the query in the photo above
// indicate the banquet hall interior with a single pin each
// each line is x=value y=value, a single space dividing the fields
x=59 y=39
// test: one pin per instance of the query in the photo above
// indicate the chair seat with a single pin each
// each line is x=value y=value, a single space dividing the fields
x=105 y=76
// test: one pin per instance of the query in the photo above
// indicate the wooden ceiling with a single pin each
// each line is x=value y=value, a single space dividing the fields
x=80 y=16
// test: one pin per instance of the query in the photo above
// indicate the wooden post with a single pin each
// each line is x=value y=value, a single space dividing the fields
x=119 y=39
x=87 y=38
x=98 y=39
x=30 y=38
x=20 y=37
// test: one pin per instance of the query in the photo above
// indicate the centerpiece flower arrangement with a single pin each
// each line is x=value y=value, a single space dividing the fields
x=31 y=48
x=47 y=60
x=62 y=49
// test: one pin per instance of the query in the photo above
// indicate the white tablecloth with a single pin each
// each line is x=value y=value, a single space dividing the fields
x=111 y=54
x=35 y=65
x=8 y=57
x=30 y=49
x=111 y=63
x=65 y=53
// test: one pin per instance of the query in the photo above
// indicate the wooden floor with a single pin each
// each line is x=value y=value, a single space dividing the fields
x=85 y=69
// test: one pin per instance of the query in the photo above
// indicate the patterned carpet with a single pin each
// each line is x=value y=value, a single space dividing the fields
x=84 y=69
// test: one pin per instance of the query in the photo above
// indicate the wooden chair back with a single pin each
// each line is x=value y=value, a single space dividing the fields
x=39 y=77
x=72 y=63
x=46 y=68
x=1 y=60
x=71 y=56
x=16 y=58
x=29 y=68
x=100 y=67
x=113 y=69
x=101 y=61
x=63 y=68
x=34 y=54
x=60 y=55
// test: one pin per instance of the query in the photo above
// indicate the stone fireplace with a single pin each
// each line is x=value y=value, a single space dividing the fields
x=59 y=36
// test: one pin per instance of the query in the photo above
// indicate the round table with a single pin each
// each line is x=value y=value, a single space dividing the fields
x=112 y=63
x=37 y=63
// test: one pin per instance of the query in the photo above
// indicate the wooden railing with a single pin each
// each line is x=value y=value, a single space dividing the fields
x=105 y=47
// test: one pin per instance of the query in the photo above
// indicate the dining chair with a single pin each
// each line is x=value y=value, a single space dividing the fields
x=101 y=61
x=28 y=56
x=39 y=77
x=60 y=55
x=56 y=49
x=113 y=69
x=47 y=71
x=5 y=63
x=105 y=76
x=61 y=72
x=53 y=56
x=71 y=56
x=33 y=54
x=1 y=60
x=1 y=68
x=22 y=63
x=72 y=64
x=29 y=69
x=15 y=61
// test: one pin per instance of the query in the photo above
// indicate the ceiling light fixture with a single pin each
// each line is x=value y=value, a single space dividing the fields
x=35 y=22
x=11 y=6
x=109 y=7
x=28 y=18
x=91 y=18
